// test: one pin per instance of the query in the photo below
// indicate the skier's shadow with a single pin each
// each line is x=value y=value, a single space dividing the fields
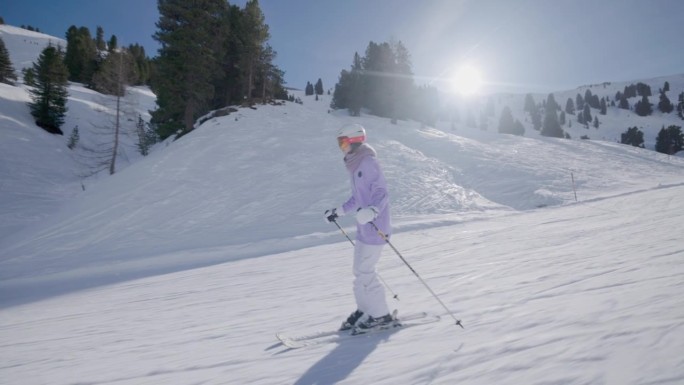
x=341 y=361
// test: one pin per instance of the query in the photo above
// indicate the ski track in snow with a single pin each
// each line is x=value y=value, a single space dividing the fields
x=568 y=300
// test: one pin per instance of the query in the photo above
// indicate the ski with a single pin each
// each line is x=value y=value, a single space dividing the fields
x=324 y=337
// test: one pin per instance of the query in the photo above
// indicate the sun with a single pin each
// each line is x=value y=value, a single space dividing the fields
x=467 y=80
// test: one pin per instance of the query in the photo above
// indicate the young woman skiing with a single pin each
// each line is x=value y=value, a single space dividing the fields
x=370 y=202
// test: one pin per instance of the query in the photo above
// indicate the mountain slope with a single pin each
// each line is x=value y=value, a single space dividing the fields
x=257 y=181
x=39 y=173
x=585 y=293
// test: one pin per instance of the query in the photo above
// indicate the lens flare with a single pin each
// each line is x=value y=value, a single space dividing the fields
x=467 y=80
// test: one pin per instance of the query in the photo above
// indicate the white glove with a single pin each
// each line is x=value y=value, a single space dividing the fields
x=366 y=215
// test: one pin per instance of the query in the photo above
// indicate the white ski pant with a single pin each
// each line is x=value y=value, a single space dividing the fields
x=368 y=290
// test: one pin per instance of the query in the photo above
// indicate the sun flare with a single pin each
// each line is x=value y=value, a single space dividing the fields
x=467 y=80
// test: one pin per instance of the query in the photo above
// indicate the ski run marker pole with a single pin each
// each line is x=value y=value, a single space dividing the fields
x=383 y=236
x=395 y=296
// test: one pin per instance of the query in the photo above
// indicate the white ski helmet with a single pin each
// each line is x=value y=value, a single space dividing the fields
x=354 y=133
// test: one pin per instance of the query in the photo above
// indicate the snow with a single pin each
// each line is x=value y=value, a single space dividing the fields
x=180 y=268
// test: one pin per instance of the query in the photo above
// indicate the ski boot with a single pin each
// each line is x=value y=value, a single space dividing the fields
x=380 y=323
x=349 y=323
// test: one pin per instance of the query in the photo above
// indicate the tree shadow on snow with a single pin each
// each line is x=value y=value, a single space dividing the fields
x=343 y=360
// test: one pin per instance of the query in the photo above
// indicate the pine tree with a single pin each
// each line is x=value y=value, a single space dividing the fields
x=382 y=82
x=518 y=128
x=596 y=122
x=666 y=86
x=587 y=114
x=99 y=39
x=604 y=106
x=507 y=125
x=633 y=136
x=73 y=138
x=49 y=95
x=665 y=105
x=309 y=89
x=112 y=44
x=680 y=105
x=349 y=91
x=624 y=103
x=7 y=74
x=319 y=87
x=378 y=60
x=594 y=102
x=142 y=64
x=256 y=33
x=356 y=86
x=670 y=140
x=341 y=94
x=551 y=126
x=588 y=97
x=579 y=102
x=630 y=91
x=269 y=78
x=81 y=55
x=190 y=34
x=643 y=107
x=146 y=136
x=402 y=82
x=29 y=77
x=506 y=122
x=643 y=89
x=570 y=107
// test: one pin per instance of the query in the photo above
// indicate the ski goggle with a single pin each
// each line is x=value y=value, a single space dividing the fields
x=345 y=141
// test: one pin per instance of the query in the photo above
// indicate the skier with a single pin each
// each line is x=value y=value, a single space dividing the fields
x=370 y=202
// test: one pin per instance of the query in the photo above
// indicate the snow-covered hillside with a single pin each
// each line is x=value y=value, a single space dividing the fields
x=24 y=46
x=616 y=121
x=39 y=173
x=180 y=267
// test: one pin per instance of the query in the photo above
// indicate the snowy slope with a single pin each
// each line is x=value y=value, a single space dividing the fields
x=24 y=46
x=39 y=173
x=580 y=294
x=180 y=268
x=265 y=176
x=615 y=122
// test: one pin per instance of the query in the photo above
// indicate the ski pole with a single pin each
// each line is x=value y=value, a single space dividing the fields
x=395 y=296
x=383 y=236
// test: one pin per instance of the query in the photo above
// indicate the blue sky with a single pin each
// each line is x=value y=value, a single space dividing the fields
x=518 y=45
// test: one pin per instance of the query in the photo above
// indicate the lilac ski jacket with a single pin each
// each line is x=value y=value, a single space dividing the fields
x=368 y=189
